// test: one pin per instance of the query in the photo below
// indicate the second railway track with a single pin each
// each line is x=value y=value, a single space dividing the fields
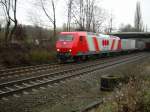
x=18 y=70
x=18 y=86
x=28 y=71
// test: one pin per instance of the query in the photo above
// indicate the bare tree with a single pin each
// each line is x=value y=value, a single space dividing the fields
x=138 y=18
x=98 y=19
x=0 y=27
x=85 y=14
x=52 y=19
x=82 y=16
x=89 y=13
x=20 y=33
x=146 y=28
x=10 y=10
x=110 y=23
x=70 y=3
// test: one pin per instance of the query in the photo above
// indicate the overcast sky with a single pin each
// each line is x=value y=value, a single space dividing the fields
x=122 y=10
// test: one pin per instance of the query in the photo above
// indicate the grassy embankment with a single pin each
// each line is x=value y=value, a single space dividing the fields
x=133 y=96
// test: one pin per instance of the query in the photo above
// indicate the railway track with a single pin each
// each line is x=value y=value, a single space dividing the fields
x=15 y=70
x=19 y=86
x=7 y=74
x=30 y=71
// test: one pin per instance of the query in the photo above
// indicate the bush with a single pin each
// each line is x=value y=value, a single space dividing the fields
x=14 y=55
x=18 y=55
x=40 y=56
x=146 y=102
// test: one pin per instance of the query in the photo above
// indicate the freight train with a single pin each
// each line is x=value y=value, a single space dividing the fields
x=81 y=45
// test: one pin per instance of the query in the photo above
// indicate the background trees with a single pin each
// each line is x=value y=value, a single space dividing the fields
x=69 y=15
x=10 y=10
x=85 y=14
x=138 y=23
x=127 y=28
x=52 y=19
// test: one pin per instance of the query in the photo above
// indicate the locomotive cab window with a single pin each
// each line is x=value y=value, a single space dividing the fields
x=81 y=38
x=66 y=37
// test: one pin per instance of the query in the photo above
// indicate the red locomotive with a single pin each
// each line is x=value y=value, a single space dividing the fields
x=80 y=45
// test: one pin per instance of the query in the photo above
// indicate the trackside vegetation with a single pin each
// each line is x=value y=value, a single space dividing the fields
x=134 y=94
x=31 y=45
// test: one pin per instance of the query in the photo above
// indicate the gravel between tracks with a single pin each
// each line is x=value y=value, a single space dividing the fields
x=65 y=97
x=21 y=74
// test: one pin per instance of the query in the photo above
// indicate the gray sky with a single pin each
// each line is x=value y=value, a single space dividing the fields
x=122 y=10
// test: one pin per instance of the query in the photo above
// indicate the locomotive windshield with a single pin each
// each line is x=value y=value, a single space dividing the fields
x=66 y=37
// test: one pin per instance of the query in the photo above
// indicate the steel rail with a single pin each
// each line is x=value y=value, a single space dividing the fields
x=31 y=69
x=56 y=73
x=24 y=67
x=63 y=77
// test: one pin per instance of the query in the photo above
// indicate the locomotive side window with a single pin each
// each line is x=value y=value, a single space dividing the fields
x=81 y=38
x=66 y=37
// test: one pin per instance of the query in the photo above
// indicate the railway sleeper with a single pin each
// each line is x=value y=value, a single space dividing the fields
x=4 y=99
x=17 y=86
x=2 y=91
x=43 y=88
x=40 y=81
x=25 y=92
x=10 y=89
x=45 y=79
x=25 y=84
x=16 y=95
x=32 y=82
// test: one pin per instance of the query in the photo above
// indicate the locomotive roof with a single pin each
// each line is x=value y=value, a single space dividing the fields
x=99 y=35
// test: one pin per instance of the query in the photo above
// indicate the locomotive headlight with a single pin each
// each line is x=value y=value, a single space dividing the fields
x=70 y=50
x=58 y=50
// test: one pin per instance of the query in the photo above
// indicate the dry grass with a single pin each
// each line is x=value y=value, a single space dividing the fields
x=134 y=95
x=17 y=55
